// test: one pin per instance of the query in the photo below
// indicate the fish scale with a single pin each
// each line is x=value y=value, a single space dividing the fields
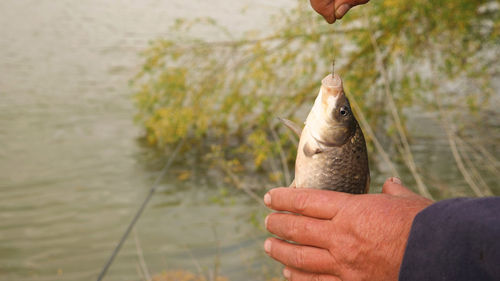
x=340 y=168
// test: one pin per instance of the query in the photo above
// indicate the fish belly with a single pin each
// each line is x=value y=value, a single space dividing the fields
x=343 y=168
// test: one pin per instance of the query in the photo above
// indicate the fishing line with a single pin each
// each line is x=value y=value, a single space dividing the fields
x=333 y=41
x=139 y=212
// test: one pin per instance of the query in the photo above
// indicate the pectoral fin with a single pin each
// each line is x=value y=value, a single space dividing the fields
x=292 y=126
x=311 y=149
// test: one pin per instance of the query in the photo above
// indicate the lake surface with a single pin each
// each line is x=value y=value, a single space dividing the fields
x=72 y=173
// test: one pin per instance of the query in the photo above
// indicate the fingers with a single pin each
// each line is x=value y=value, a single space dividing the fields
x=342 y=10
x=322 y=204
x=324 y=8
x=305 y=258
x=292 y=274
x=333 y=10
x=343 y=6
x=300 y=229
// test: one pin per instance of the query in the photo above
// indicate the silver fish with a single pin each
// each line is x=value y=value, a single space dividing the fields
x=332 y=150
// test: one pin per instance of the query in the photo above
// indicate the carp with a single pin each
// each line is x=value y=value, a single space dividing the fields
x=332 y=150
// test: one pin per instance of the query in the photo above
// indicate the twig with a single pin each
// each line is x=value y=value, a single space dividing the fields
x=453 y=146
x=241 y=186
x=493 y=163
x=140 y=273
x=239 y=43
x=368 y=130
x=460 y=164
x=195 y=261
x=217 y=254
x=471 y=167
x=284 y=163
x=407 y=155
x=139 y=211
x=475 y=174
x=140 y=254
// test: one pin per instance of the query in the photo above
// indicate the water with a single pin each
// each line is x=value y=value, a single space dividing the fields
x=71 y=171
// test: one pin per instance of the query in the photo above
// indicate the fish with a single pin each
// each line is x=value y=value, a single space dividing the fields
x=332 y=152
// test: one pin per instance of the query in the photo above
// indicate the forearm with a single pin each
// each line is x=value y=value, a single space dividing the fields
x=456 y=239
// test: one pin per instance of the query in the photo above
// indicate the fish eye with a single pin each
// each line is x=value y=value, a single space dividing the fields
x=344 y=111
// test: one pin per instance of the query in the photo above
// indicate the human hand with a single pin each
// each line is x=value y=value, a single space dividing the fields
x=341 y=236
x=333 y=10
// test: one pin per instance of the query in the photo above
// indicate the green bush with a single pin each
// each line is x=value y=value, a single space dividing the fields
x=223 y=97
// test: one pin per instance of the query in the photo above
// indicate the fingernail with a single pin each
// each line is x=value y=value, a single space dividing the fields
x=396 y=180
x=265 y=221
x=267 y=199
x=287 y=273
x=267 y=246
x=340 y=12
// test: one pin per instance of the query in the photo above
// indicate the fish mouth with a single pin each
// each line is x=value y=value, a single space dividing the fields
x=332 y=85
x=331 y=91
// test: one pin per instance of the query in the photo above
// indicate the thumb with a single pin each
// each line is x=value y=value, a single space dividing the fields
x=342 y=10
x=394 y=186
x=343 y=6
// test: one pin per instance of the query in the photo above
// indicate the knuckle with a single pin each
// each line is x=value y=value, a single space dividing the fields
x=292 y=234
x=298 y=258
x=298 y=228
x=300 y=201
x=326 y=278
x=316 y=277
x=319 y=277
x=307 y=227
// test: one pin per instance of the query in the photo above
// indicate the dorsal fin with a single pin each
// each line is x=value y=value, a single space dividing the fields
x=292 y=126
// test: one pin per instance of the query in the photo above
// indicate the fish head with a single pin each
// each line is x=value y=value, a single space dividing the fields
x=336 y=112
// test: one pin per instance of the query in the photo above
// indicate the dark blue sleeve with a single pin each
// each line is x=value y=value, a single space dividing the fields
x=457 y=239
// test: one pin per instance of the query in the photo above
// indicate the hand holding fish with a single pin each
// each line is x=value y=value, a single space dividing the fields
x=341 y=236
x=333 y=10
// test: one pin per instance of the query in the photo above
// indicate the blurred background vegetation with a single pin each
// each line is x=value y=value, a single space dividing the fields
x=401 y=61
x=422 y=76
